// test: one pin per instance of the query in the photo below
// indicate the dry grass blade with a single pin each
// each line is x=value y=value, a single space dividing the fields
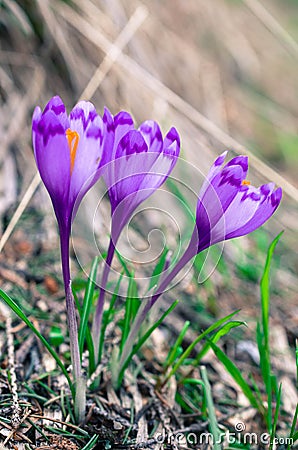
x=122 y=40
x=15 y=407
x=162 y=91
x=20 y=114
x=59 y=37
x=273 y=26
x=20 y=209
x=101 y=72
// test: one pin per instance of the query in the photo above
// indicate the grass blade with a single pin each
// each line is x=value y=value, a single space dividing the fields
x=277 y=408
x=91 y=443
x=106 y=318
x=263 y=331
x=144 y=338
x=293 y=428
x=225 y=329
x=132 y=304
x=158 y=269
x=189 y=349
x=217 y=435
x=236 y=374
x=87 y=303
x=16 y=309
x=173 y=353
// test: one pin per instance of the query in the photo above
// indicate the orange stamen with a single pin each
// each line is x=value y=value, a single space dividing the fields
x=245 y=183
x=73 y=142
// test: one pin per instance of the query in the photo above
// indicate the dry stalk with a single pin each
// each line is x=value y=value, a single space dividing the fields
x=16 y=409
x=273 y=26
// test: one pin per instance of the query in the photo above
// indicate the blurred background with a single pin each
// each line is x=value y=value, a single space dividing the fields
x=223 y=72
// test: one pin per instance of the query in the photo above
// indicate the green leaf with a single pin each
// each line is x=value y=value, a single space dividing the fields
x=144 y=338
x=265 y=289
x=91 y=443
x=56 y=337
x=277 y=408
x=189 y=349
x=213 y=425
x=236 y=374
x=173 y=353
x=87 y=303
x=263 y=330
x=106 y=318
x=225 y=329
x=132 y=304
x=10 y=302
x=293 y=435
x=158 y=269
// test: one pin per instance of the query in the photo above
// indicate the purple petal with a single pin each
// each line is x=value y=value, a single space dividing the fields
x=132 y=142
x=266 y=207
x=241 y=161
x=90 y=128
x=46 y=126
x=152 y=135
x=108 y=138
x=214 y=200
x=171 y=145
x=82 y=116
x=52 y=156
x=57 y=106
x=240 y=211
x=123 y=123
x=214 y=170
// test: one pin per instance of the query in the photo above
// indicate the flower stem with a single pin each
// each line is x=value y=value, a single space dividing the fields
x=72 y=325
x=148 y=303
x=97 y=320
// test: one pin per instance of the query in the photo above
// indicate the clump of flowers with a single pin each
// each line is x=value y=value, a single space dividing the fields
x=73 y=151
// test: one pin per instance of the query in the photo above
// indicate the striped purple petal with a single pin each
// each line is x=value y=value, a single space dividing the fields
x=228 y=206
x=140 y=161
x=68 y=152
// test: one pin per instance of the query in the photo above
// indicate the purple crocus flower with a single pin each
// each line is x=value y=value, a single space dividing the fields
x=228 y=207
x=68 y=152
x=138 y=163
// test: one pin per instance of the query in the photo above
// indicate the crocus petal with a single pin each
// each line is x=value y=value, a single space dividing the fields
x=151 y=133
x=267 y=206
x=108 y=138
x=127 y=169
x=241 y=210
x=89 y=126
x=81 y=116
x=171 y=144
x=52 y=155
x=215 y=200
x=57 y=106
x=123 y=123
x=214 y=170
x=229 y=206
x=138 y=163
